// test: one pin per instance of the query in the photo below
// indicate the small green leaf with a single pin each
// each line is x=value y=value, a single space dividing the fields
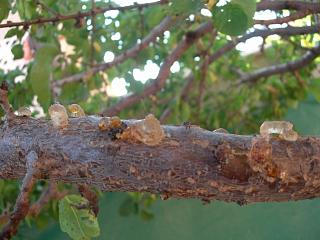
x=12 y=32
x=248 y=6
x=185 y=7
x=78 y=222
x=230 y=19
x=17 y=51
x=4 y=9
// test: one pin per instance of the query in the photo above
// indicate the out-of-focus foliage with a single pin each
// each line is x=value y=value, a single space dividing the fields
x=66 y=48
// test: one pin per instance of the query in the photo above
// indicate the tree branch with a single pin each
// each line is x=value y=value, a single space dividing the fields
x=283 y=32
x=165 y=68
x=48 y=9
x=291 y=66
x=292 y=17
x=186 y=163
x=21 y=207
x=164 y=72
x=50 y=193
x=272 y=5
x=132 y=52
x=79 y=15
x=288 y=4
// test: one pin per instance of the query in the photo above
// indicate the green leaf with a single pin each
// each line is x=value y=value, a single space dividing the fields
x=17 y=51
x=40 y=74
x=12 y=32
x=230 y=19
x=185 y=7
x=78 y=223
x=248 y=6
x=4 y=9
x=26 y=8
x=40 y=82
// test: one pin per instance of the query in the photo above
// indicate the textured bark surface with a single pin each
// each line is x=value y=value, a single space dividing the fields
x=187 y=163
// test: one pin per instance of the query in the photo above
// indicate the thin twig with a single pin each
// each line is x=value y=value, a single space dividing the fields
x=290 y=18
x=132 y=52
x=290 y=66
x=22 y=205
x=164 y=71
x=160 y=81
x=48 y=9
x=289 y=5
x=50 y=193
x=78 y=15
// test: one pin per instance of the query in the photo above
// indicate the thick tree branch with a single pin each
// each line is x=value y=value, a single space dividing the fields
x=186 y=163
x=291 y=66
x=164 y=71
x=79 y=15
x=132 y=52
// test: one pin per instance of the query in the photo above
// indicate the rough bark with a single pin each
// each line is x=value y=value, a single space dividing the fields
x=187 y=163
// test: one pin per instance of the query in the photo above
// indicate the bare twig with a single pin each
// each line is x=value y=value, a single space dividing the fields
x=289 y=5
x=288 y=31
x=22 y=205
x=291 y=66
x=292 y=17
x=50 y=193
x=272 y=5
x=132 y=52
x=45 y=7
x=79 y=15
x=91 y=196
x=164 y=70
